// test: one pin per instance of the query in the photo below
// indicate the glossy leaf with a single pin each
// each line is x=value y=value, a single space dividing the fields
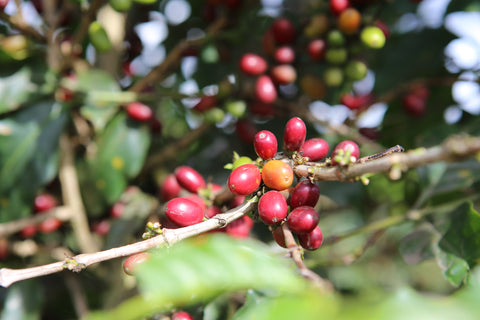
x=15 y=89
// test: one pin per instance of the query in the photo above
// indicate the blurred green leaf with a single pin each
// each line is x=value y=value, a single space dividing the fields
x=23 y=301
x=417 y=246
x=15 y=89
x=461 y=238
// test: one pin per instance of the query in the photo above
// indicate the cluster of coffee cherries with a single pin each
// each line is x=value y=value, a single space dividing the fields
x=43 y=202
x=272 y=177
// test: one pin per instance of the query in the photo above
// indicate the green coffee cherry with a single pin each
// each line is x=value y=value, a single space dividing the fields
x=335 y=38
x=336 y=55
x=236 y=108
x=121 y=5
x=373 y=37
x=99 y=37
x=356 y=70
x=333 y=77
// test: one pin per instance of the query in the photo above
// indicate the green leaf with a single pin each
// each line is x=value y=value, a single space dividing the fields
x=23 y=301
x=455 y=269
x=417 y=246
x=461 y=238
x=199 y=269
x=15 y=89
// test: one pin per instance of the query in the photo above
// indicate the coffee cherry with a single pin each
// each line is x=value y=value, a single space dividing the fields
x=335 y=38
x=265 y=90
x=315 y=149
x=29 y=231
x=198 y=200
x=414 y=104
x=356 y=70
x=50 y=225
x=189 y=179
x=384 y=27
x=236 y=108
x=317 y=26
x=245 y=130
x=265 y=144
x=170 y=188
x=252 y=64
x=344 y=147
x=284 y=55
x=268 y=42
x=349 y=21
x=102 y=228
x=120 y=5
x=277 y=175
x=283 y=74
x=279 y=237
x=316 y=49
x=338 y=6
x=139 y=111
x=44 y=202
x=240 y=228
x=305 y=193
x=262 y=109
x=131 y=263
x=183 y=212
x=3 y=4
x=313 y=86
x=312 y=240
x=99 y=37
x=272 y=207
x=236 y=201
x=302 y=219
x=116 y=211
x=294 y=134
x=244 y=180
x=333 y=77
x=206 y=103
x=283 y=31
x=373 y=37
x=241 y=161
x=212 y=211
x=336 y=55
x=181 y=315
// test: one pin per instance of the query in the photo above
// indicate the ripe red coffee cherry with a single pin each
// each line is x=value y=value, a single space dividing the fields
x=316 y=49
x=44 y=202
x=3 y=4
x=212 y=211
x=272 y=207
x=131 y=263
x=265 y=90
x=183 y=212
x=182 y=315
x=265 y=144
x=206 y=103
x=349 y=21
x=189 y=179
x=346 y=146
x=354 y=102
x=101 y=228
x=268 y=42
x=29 y=231
x=252 y=64
x=279 y=237
x=284 y=55
x=294 y=134
x=312 y=240
x=414 y=104
x=262 y=109
x=139 y=111
x=116 y=211
x=315 y=149
x=240 y=228
x=244 y=180
x=50 y=225
x=283 y=31
x=302 y=219
x=337 y=6
x=170 y=188
x=305 y=193
x=246 y=130
x=236 y=201
x=277 y=175
x=284 y=74
x=198 y=200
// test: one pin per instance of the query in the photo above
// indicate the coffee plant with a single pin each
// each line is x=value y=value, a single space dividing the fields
x=239 y=159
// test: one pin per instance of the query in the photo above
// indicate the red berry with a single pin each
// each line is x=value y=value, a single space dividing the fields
x=268 y=42
x=346 y=146
x=131 y=263
x=337 y=6
x=384 y=27
x=279 y=237
x=240 y=228
x=3 y=4
x=44 y=202
x=244 y=180
x=277 y=175
x=183 y=212
x=265 y=90
x=252 y=64
x=414 y=104
x=170 y=188
x=284 y=55
x=272 y=207
x=316 y=49
x=189 y=179
x=265 y=144
x=101 y=228
x=284 y=74
x=315 y=149
x=139 y=111
x=262 y=109
x=212 y=211
x=246 y=130
x=50 y=225
x=198 y=200
x=181 y=315
x=283 y=31
x=305 y=193
x=312 y=240
x=302 y=219
x=116 y=211
x=206 y=103
x=294 y=134
x=29 y=231
x=236 y=201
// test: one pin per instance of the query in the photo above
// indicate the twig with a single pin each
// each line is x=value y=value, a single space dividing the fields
x=453 y=149
x=297 y=258
x=168 y=237
x=78 y=295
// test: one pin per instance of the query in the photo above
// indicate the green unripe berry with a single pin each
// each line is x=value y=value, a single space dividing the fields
x=214 y=115
x=336 y=55
x=236 y=108
x=120 y=5
x=335 y=38
x=333 y=77
x=356 y=70
x=99 y=37
x=241 y=161
x=373 y=37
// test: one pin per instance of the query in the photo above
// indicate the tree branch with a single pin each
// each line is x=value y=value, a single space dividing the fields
x=168 y=237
